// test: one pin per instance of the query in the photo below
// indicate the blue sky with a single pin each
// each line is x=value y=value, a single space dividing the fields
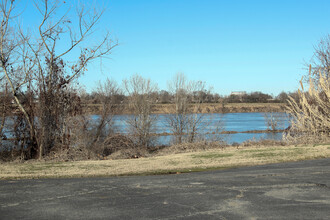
x=231 y=45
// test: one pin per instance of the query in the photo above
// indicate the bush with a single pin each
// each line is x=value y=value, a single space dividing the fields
x=310 y=114
x=115 y=143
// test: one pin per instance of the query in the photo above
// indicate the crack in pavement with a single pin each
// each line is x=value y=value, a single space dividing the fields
x=54 y=198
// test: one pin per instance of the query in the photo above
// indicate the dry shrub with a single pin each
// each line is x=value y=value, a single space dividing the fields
x=261 y=142
x=81 y=135
x=191 y=147
x=7 y=155
x=117 y=146
x=87 y=143
x=117 y=142
x=310 y=114
x=69 y=154
x=129 y=153
x=113 y=147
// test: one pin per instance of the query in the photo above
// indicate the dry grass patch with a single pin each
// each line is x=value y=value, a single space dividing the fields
x=185 y=162
x=310 y=114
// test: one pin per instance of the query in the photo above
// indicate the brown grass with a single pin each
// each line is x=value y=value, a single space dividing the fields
x=227 y=157
x=311 y=113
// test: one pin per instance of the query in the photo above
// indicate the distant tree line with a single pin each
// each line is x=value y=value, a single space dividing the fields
x=167 y=97
x=205 y=96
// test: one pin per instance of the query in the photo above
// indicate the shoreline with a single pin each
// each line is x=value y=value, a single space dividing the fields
x=202 y=108
x=224 y=132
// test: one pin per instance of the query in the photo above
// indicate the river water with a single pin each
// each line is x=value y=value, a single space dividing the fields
x=239 y=122
x=212 y=123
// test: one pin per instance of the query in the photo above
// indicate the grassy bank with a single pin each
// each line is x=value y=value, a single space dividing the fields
x=229 y=157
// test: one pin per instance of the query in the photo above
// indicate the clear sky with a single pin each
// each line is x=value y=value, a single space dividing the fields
x=232 y=45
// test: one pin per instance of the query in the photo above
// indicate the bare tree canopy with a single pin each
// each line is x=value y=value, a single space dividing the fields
x=321 y=58
x=187 y=119
x=140 y=101
x=37 y=65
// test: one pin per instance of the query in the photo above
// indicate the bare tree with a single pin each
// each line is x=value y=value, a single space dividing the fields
x=4 y=108
x=178 y=122
x=108 y=95
x=89 y=132
x=274 y=120
x=321 y=59
x=37 y=65
x=140 y=100
x=196 y=120
x=187 y=119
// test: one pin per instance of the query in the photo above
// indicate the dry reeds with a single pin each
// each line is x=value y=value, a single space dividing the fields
x=310 y=114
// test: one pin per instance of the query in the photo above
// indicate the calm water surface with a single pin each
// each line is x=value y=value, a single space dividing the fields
x=212 y=123
x=229 y=122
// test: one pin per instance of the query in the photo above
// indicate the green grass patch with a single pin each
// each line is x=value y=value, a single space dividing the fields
x=298 y=151
x=316 y=145
x=265 y=154
x=278 y=153
x=256 y=150
x=174 y=163
x=212 y=156
x=41 y=167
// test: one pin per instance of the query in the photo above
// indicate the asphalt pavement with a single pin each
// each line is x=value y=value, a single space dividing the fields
x=299 y=190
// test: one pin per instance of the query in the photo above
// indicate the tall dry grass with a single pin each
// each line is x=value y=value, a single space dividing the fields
x=311 y=113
